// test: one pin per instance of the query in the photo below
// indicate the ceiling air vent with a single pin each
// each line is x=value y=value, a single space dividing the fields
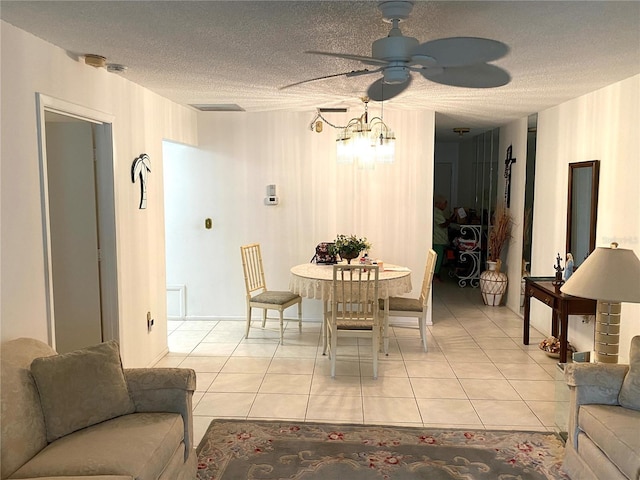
x=333 y=110
x=217 y=107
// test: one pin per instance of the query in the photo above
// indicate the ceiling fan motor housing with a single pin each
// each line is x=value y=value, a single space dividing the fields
x=395 y=9
x=397 y=51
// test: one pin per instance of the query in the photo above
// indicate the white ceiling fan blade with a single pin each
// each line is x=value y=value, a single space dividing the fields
x=380 y=91
x=352 y=73
x=472 y=76
x=459 y=51
x=348 y=56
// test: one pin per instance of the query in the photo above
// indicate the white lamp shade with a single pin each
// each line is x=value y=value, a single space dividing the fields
x=609 y=274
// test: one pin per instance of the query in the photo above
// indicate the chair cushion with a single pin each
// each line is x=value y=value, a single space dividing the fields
x=275 y=297
x=402 y=304
x=629 y=395
x=614 y=430
x=139 y=445
x=81 y=388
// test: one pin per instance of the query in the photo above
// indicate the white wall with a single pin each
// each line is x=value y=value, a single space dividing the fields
x=514 y=134
x=602 y=125
x=142 y=121
x=226 y=178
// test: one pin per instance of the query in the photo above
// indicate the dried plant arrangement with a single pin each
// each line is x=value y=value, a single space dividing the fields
x=499 y=234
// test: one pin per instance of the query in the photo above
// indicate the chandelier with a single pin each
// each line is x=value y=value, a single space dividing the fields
x=363 y=141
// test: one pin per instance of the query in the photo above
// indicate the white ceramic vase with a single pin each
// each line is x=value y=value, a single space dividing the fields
x=493 y=284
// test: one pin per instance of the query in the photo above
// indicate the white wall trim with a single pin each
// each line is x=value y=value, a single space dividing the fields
x=182 y=301
x=106 y=202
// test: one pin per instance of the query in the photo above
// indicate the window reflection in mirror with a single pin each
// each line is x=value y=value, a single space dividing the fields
x=582 y=209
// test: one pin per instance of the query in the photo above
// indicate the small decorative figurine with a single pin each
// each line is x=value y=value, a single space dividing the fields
x=568 y=267
x=557 y=282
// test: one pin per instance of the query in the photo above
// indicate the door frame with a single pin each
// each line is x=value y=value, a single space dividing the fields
x=106 y=213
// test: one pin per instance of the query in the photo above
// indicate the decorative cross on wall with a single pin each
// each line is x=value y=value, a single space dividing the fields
x=507 y=175
x=141 y=167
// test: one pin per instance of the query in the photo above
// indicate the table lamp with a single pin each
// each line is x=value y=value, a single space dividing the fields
x=610 y=276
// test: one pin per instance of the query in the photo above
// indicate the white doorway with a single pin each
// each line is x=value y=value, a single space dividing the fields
x=76 y=161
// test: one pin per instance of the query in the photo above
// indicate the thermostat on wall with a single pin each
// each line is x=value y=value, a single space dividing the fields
x=271 y=198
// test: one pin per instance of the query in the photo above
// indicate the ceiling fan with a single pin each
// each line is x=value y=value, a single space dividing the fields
x=456 y=61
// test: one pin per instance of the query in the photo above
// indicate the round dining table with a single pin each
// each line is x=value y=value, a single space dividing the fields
x=312 y=280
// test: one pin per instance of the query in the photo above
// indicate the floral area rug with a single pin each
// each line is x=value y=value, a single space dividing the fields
x=251 y=450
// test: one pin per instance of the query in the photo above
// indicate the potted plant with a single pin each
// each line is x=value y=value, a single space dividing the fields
x=349 y=247
x=493 y=283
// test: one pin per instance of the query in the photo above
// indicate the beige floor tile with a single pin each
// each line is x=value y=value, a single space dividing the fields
x=299 y=366
x=246 y=365
x=214 y=349
x=429 y=369
x=230 y=326
x=535 y=389
x=518 y=371
x=488 y=389
x=296 y=351
x=386 y=368
x=281 y=406
x=509 y=356
x=340 y=385
x=343 y=367
x=437 y=388
x=255 y=350
x=197 y=396
x=546 y=411
x=449 y=412
x=285 y=383
x=237 y=382
x=225 y=404
x=222 y=336
x=170 y=361
x=386 y=387
x=475 y=351
x=204 y=364
x=496 y=343
x=505 y=412
x=476 y=370
x=524 y=428
x=206 y=325
x=389 y=410
x=476 y=355
x=323 y=408
x=416 y=353
x=200 y=425
x=204 y=380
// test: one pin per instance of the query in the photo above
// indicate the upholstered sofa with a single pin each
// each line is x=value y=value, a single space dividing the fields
x=604 y=419
x=81 y=416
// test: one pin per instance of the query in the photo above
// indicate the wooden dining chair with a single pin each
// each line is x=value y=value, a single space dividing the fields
x=353 y=309
x=258 y=296
x=414 y=307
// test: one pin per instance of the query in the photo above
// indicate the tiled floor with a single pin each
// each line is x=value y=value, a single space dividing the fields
x=476 y=373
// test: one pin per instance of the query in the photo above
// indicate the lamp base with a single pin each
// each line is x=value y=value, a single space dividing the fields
x=607 y=332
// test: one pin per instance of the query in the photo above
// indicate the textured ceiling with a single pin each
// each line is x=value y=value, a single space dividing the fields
x=240 y=52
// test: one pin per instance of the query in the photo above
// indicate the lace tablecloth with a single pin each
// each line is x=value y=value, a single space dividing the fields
x=314 y=281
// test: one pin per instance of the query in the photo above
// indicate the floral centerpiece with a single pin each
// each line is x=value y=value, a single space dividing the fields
x=349 y=247
x=551 y=346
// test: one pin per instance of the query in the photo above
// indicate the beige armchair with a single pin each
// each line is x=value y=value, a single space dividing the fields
x=81 y=416
x=604 y=419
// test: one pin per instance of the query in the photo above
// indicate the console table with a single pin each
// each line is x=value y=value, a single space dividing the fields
x=562 y=305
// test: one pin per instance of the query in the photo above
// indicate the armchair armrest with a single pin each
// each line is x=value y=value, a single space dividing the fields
x=591 y=383
x=164 y=390
x=596 y=382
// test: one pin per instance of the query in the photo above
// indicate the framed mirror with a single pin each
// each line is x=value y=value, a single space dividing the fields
x=582 y=209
